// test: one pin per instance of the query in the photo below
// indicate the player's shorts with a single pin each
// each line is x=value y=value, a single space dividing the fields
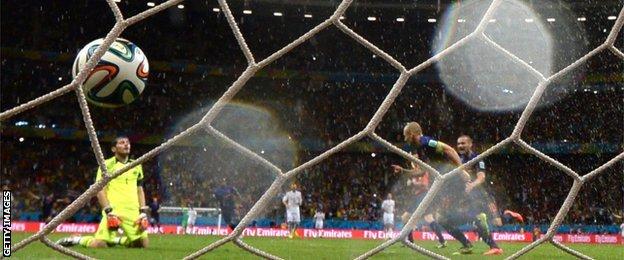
x=292 y=215
x=130 y=229
x=388 y=218
x=417 y=200
x=454 y=218
x=191 y=221
x=481 y=202
x=318 y=224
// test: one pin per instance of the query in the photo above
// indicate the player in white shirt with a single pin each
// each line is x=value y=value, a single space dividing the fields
x=388 y=215
x=192 y=217
x=622 y=232
x=319 y=216
x=292 y=200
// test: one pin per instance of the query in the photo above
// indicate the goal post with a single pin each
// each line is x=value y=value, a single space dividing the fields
x=173 y=209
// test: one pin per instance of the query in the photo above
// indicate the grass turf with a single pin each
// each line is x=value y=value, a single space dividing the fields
x=178 y=246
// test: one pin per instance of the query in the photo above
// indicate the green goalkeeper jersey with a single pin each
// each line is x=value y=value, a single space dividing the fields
x=122 y=191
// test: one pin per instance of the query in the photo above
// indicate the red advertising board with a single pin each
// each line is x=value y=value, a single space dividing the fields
x=319 y=233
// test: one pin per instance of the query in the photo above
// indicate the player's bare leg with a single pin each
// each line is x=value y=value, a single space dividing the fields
x=290 y=229
x=405 y=217
x=144 y=243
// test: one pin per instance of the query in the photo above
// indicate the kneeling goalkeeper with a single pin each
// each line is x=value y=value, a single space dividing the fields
x=123 y=205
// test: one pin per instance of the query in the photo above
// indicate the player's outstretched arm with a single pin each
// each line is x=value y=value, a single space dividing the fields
x=450 y=153
x=412 y=172
x=453 y=156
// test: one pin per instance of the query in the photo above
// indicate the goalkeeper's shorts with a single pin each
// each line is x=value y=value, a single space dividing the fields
x=130 y=229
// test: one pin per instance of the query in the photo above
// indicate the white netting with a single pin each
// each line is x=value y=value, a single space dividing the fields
x=369 y=130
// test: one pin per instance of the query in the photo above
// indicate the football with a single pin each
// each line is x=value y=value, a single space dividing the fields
x=120 y=76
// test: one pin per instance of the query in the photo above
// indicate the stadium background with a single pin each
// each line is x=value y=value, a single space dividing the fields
x=321 y=93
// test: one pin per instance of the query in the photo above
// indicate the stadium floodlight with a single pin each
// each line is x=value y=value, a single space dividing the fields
x=581 y=19
x=550 y=19
x=247 y=12
x=432 y=20
x=307 y=15
x=277 y=14
x=180 y=6
x=151 y=4
x=400 y=19
x=611 y=17
x=216 y=10
x=371 y=18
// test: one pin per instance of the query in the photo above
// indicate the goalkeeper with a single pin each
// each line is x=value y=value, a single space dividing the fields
x=123 y=205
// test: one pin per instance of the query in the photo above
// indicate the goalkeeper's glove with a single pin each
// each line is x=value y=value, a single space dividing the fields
x=143 y=221
x=113 y=221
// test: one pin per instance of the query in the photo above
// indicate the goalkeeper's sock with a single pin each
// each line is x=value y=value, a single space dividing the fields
x=85 y=241
x=437 y=229
x=123 y=241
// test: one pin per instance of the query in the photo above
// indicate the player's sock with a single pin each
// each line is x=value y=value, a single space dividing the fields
x=483 y=222
x=295 y=230
x=410 y=236
x=484 y=231
x=69 y=241
x=457 y=234
x=437 y=229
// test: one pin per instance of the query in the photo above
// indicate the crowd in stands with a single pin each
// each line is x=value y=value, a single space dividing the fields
x=46 y=175
x=47 y=172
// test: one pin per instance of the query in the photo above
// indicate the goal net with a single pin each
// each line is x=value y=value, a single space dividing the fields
x=281 y=177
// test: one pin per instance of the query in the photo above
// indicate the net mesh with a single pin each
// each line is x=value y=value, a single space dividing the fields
x=369 y=131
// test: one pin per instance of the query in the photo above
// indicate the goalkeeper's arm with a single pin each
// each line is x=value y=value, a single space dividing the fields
x=142 y=221
x=103 y=200
x=112 y=221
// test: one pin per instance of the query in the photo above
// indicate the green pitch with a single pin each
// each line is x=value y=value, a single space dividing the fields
x=177 y=246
